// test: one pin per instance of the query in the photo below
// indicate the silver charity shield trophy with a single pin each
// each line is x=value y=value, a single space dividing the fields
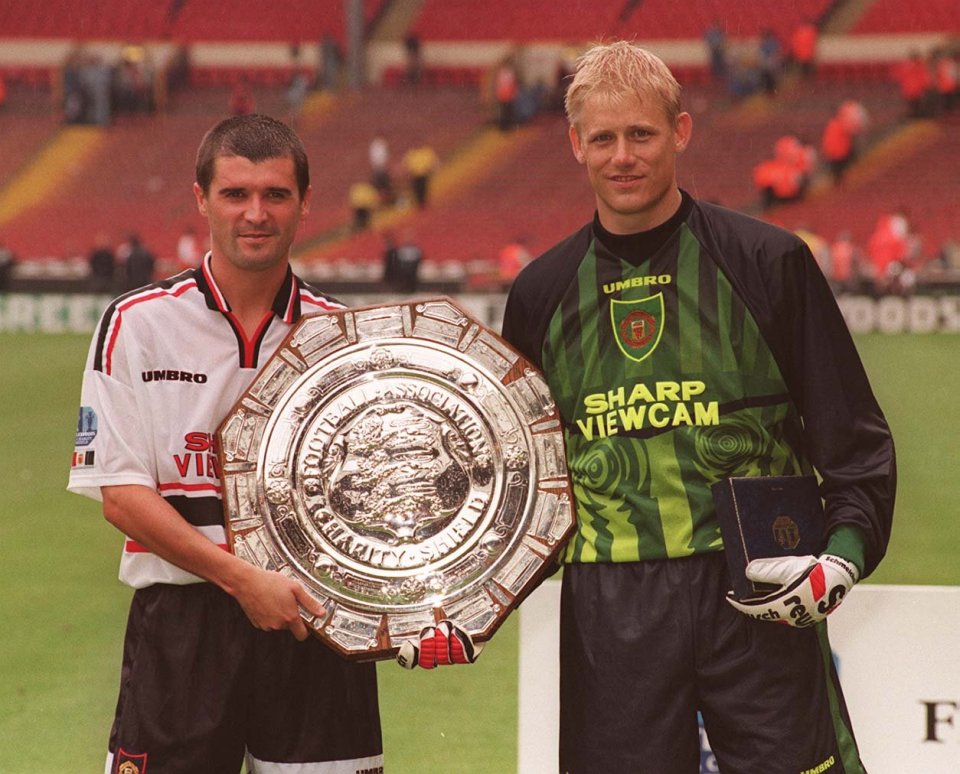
x=403 y=463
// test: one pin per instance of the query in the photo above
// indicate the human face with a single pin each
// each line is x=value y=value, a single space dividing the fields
x=254 y=210
x=630 y=151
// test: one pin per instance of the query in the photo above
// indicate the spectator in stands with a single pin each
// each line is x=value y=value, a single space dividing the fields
x=364 y=200
x=241 y=99
x=189 y=253
x=855 y=117
x=799 y=155
x=769 y=61
x=505 y=86
x=3 y=91
x=743 y=76
x=132 y=81
x=103 y=266
x=716 y=40
x=86 y=89
x=786 y=176
x=530 y=99
x=7 y=262
x=562 y=76
x=421 y=162
x=138 y=263
x=329 y=61
x=837 y=146
x=409 y=257
x=389 y=260
x=413 y=50
x=916 y=85
x=74 y=92
x=949 y=254
x=845 y=264
x=946 y=76
x=296 y=95
x=893 y=250
x=380 y=178
x=803 y=47
x=778 y=182
x=512 y=258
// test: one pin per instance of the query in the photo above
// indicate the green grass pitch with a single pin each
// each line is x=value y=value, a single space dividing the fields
x=63 y=609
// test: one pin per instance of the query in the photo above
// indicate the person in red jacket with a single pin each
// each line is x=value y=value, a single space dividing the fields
x=946 y=79
x=803 y=46
x=837 y=146
x=913 y=76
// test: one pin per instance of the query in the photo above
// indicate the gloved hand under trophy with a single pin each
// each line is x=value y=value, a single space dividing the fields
x=440 y=645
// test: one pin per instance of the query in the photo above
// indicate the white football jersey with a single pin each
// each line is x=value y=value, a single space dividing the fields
x=166 y=364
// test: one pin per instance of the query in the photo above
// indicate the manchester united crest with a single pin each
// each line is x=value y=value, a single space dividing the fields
x=637 y=325
x=786 y=533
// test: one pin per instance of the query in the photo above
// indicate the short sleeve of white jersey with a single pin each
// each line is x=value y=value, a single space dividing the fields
x=112 y=442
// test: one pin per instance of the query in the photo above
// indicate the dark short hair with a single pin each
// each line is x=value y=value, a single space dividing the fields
x=255 y=137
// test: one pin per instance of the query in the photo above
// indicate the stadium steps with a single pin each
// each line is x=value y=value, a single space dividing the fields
x=913 y=169
x=396 y=19
x=844 y=16
x=66 y=154
x=23 y=133
x=487 y=153
x=139 y=179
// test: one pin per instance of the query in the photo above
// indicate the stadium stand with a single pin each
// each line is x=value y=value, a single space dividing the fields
x=100 y=20
x=189 y=21
x=664 y=19
x=506 y=20
x=140 y=178
x=915 y=171
x=292 y=21
x=648 y=20
x=490 y=190
x=895 y=16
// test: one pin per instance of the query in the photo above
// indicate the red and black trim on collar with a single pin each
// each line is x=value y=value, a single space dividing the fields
x=293 y=299
x=286 y=306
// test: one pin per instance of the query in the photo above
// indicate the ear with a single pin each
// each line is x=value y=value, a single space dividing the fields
x=683 y=131
x=575 y=144
x=201 y=199
x=305 y=203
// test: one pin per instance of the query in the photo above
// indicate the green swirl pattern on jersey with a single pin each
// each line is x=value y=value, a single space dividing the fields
x=660 y=402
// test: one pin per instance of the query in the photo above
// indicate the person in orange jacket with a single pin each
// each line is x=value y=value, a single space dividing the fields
x=915 y=81
x=803 y=46
x=837 y=146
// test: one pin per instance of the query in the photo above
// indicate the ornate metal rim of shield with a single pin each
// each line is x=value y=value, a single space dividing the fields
x=404 y=464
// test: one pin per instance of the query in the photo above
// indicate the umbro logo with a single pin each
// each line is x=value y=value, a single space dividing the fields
x=170 y=375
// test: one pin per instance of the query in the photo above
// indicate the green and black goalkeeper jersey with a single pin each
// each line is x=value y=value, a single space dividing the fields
x=709 y=347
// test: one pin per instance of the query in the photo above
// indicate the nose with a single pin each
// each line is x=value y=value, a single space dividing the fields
x=255 y=212
x=623 y=153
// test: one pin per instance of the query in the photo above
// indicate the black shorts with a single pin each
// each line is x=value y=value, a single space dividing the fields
x=200 y=687
x=646 y=645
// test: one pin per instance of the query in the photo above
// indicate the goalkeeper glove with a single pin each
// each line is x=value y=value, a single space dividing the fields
x=810 y=588
x=440 y=645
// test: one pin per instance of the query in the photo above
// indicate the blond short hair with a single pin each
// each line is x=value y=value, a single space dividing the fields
x=617 y=70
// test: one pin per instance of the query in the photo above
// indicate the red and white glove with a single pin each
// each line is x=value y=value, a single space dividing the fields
x=810 y=588
x=440 y=645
